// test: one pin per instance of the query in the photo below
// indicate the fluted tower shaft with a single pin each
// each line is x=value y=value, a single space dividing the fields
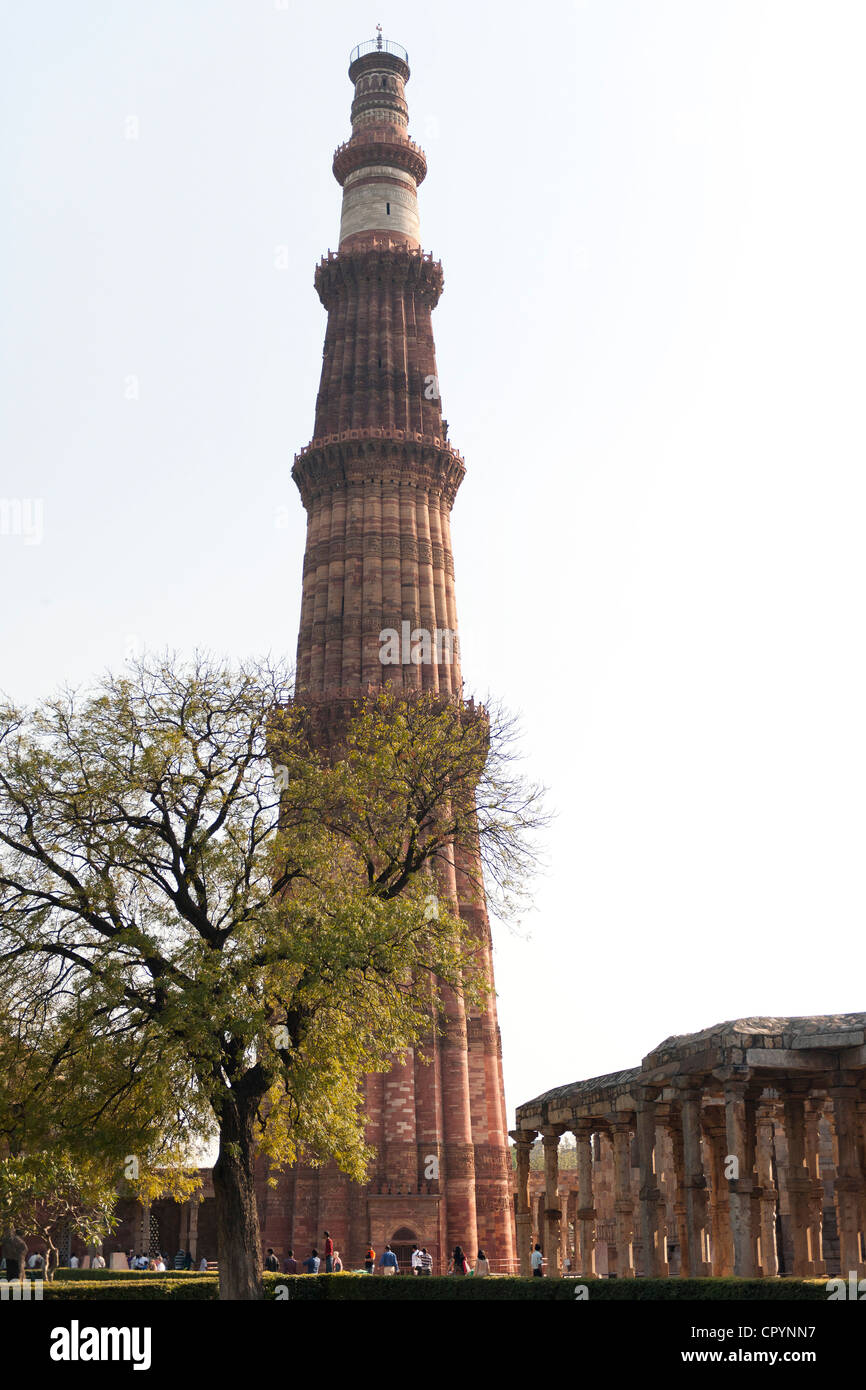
x=378 y=481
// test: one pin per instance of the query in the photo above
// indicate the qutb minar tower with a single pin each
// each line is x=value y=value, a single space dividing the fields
x=378 y=481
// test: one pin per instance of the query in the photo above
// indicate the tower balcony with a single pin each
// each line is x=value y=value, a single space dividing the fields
x=379 y=45
x=379 y=146
x=371 y=454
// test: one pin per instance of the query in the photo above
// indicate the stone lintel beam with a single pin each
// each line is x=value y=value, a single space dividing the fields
x=646 y=1094
x=531 y=1122
x=834 y=1041
x=736 y=1075
x=551 y=1132
x=844 y=1077
x=776 y=1059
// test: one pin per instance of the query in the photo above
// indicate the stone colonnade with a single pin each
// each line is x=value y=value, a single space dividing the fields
x=703 y=1164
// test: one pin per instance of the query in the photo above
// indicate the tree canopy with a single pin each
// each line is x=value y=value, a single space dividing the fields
x=208 y=922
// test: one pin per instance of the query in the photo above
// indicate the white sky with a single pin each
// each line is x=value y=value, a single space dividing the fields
x=652 y=219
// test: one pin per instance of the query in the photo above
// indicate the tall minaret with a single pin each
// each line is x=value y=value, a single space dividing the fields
x=378 y=481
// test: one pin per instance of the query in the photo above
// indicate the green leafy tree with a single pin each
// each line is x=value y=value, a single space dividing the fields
x=223 y=926
x=75 y=1133
x=48 y=1195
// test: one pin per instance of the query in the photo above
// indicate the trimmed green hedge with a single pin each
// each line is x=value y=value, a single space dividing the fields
x=158 y=1286
x=363 y=1288
x=88 y=1274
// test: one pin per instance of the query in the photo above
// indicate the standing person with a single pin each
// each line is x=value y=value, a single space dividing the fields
x=415 y=1260
x=188 y=1262
x=329 y=1253
x=426 y=1262
x=537 y=1260
x=180 y=1259
x=98 y=1262
x=459 y=1263
x=271 y=1262
x=203 y=1265
x=483 y=1265
x=290 y=1264
x=312 y=1262
x=73 y=1263
x=338 y=1263
x=389 y=1261
x=369 y=1260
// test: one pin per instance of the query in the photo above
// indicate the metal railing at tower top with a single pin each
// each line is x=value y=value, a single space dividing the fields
x=379 y=45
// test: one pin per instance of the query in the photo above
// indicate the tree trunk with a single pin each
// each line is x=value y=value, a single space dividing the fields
x=239 y=1246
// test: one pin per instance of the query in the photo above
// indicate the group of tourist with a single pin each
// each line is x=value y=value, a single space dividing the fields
x=460 y=1263
x=14 y=1250
x=312 y=1264
x=159 y=1264
x=15 y=1259
x=154 y=1264
x=96 y=1262
x=420 y=1261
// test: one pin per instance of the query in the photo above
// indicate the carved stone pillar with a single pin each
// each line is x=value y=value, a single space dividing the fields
x=721 y=1247
x=740 y=1130
x=145 y=1241
x=183 y=1242
x=797 y=1179
x=571 y=1225
x=650 y=1194
x=663 y=1269
x=675 y=1129
x=861 y=1150
x=694 y=1183
x=193 y=1228
x=563 y=1229
x=769 y=1195
x=585 y=1262
x=552 y=1215
x=623 y=1202
x=849 y=1184
x=523 y=1217
x=815 y=1231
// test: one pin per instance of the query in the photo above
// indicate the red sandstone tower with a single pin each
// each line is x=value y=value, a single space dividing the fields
x=378 y=481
